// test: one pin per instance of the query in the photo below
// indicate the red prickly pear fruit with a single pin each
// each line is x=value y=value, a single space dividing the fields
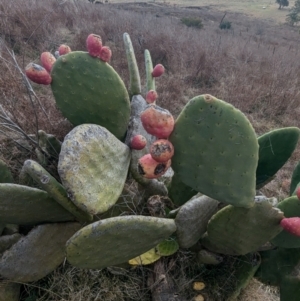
x=291 y=225
x=162 y=150
x=158 y=70
x=47 y=60
x=157 y=121
x=298 y=193
x=94 y=45
x=151 y=169
x=105 y=54
x=64 y=49
x=138 y=142
x=38 y=74
x=151 y=96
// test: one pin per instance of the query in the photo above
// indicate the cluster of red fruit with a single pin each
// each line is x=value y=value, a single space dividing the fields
x=159 y=123
x=41 y=74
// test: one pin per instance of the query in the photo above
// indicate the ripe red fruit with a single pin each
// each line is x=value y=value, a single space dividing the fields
x=94 y=45
x=162 y=150
x=151 y=96
x=138 y=142
x=64 y=49
x=291 y=225
x=105 y=54
x=158 y=70
x=298 y=193
x=47 y=60
x=157 y=121
x=38 y=74
x=151 y=169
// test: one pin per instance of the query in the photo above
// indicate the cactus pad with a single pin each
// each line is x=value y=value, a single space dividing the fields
x=216 y=151
x=238 y=231
x=290 y=208
x=290 y=288
x=116 y=240
x=295 y=179
x=88 y=90
x=277 y=264
x=272 y=156
x=5 y=174
x=167 y=247
x=6 y=241
x=37 y=254
x=54 y=189
x=192 y=218
x=93 y=167
x=25 y=205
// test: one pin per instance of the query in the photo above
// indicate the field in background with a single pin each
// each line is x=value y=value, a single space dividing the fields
x=266 y=10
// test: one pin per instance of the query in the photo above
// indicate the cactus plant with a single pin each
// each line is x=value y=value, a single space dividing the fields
x=216 y=153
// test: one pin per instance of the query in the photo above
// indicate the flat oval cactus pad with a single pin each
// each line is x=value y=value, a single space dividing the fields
x=93 y=166
x=216 y=151
x=88 y=90
x=116 y=240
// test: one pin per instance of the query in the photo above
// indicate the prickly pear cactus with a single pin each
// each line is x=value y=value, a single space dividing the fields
x=93 y=167
x=5 y=174
x=24 y=205
x=88 y=90
x=216 y=151
x=272 y=156
x=116 y=240
x=238 y=231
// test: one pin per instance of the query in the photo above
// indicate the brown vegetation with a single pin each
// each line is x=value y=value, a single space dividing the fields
x=254 y=66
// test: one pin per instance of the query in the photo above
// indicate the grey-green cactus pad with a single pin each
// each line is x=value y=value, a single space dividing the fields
x=116 y=240
x=26 y=205
x=5 y=174
x=88 y=90
x=295 y=182
x=37 y=254
x=6 y=241
x=216 y=151
x=192 y=218
x=290 y=208
x=9 y=291
x=272 y=156
x=238 y=231
x=93 y=166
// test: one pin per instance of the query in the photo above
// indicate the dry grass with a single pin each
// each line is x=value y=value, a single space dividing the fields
x=253 y=66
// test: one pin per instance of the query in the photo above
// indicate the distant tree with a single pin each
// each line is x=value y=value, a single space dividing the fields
x=282 y=3
x=293 y=17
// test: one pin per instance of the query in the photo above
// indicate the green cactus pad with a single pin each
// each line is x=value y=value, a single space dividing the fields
x=180 y=193
x=24 y=205
x=5 y=174
x=37 y=254
x=192 y=218
x=149 y=68
x=238 y=231
x=7 y=241
x=295 y=179
x=290 y=288
x=116 y=240
x=290 y=208
x=88 y=90
x=277 y=264
x=272 y=154
x=54 y=189
x=135 y=81
x=93 y=167
x=216 y=151
x=167 y=247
